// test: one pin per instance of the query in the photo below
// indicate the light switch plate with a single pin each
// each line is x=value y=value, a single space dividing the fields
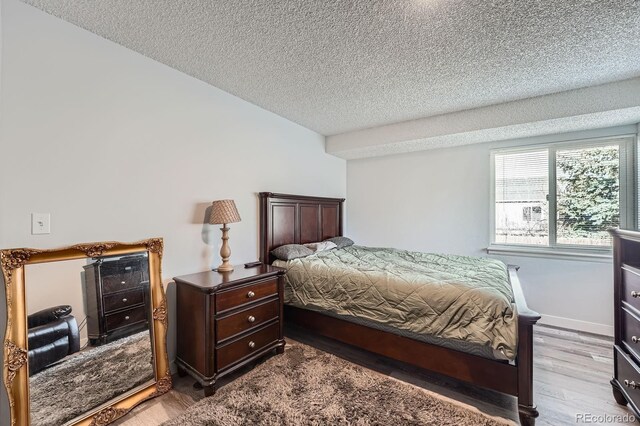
x=40 y=223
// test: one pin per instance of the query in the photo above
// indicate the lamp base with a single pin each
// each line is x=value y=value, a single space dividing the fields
x=224 y=268
x=225 y=251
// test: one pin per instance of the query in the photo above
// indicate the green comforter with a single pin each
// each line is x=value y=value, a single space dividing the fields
x=447 y=296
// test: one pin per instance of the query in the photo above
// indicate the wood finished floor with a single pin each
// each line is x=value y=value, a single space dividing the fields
x=571 y=375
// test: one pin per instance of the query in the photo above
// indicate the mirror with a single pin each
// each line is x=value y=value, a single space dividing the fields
x=86 y=320
x=87 y=336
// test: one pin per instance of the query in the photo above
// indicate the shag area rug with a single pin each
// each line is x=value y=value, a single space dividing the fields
x=90 y=378
x=306 y=386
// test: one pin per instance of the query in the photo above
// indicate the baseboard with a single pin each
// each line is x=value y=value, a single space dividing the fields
x=573 y=324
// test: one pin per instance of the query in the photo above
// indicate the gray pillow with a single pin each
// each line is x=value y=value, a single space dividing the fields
x=291 y=251
x=341 y=242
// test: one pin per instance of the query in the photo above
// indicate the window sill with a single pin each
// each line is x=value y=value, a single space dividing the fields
x=585 y=255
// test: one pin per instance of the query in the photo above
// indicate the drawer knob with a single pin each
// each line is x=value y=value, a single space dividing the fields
x=250 y=294
x=124 y=282
x=127 y=317
x=634 y=339
x=124 y=300
x=253 y=319
x=631 y=384
x=635 y=294
x=252 y=344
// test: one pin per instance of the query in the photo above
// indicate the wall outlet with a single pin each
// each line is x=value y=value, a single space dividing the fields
x=40 y=223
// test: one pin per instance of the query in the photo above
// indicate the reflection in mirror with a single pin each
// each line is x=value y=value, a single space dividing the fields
x=89 y=334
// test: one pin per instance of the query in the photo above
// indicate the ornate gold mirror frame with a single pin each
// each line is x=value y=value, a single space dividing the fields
x=15 y=369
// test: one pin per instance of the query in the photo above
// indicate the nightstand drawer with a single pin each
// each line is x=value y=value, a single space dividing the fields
x=125 y=318
x=253 y=343
x=115 y=301
x=232 y=325
x=631 y=286
x=628 y=376
x=631 y=331
x=230 y=299
x=114 y=283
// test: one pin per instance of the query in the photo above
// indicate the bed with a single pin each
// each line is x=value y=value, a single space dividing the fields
x=506 y=368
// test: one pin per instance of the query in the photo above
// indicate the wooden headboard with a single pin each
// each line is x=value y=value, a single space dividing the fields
x=297 y=219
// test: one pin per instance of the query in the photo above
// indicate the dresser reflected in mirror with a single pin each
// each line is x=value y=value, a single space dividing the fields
x=94 y=341
x=89 y=338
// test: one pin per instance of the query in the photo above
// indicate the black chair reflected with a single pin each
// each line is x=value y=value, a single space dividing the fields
x=53 y=335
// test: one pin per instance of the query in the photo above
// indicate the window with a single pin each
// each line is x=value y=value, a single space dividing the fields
x=563 y=196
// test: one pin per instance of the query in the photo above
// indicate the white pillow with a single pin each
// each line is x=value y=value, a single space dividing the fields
x=321 y=246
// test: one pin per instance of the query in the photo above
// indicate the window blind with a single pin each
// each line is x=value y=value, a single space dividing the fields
x=521 y=189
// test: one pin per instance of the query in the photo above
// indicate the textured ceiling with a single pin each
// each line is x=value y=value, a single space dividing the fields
x=337 y=66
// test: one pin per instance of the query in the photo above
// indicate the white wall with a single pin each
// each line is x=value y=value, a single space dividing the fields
x=119 y=147
x=438 y=201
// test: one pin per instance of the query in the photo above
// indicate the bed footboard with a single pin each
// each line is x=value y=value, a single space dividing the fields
x=524 y=362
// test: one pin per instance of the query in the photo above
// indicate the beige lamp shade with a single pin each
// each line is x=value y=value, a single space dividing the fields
x=223 y=211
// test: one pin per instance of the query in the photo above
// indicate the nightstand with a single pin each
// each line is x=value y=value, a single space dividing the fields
x=226 y=320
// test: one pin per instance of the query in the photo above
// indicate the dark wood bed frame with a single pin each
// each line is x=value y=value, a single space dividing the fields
x=289 y=219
